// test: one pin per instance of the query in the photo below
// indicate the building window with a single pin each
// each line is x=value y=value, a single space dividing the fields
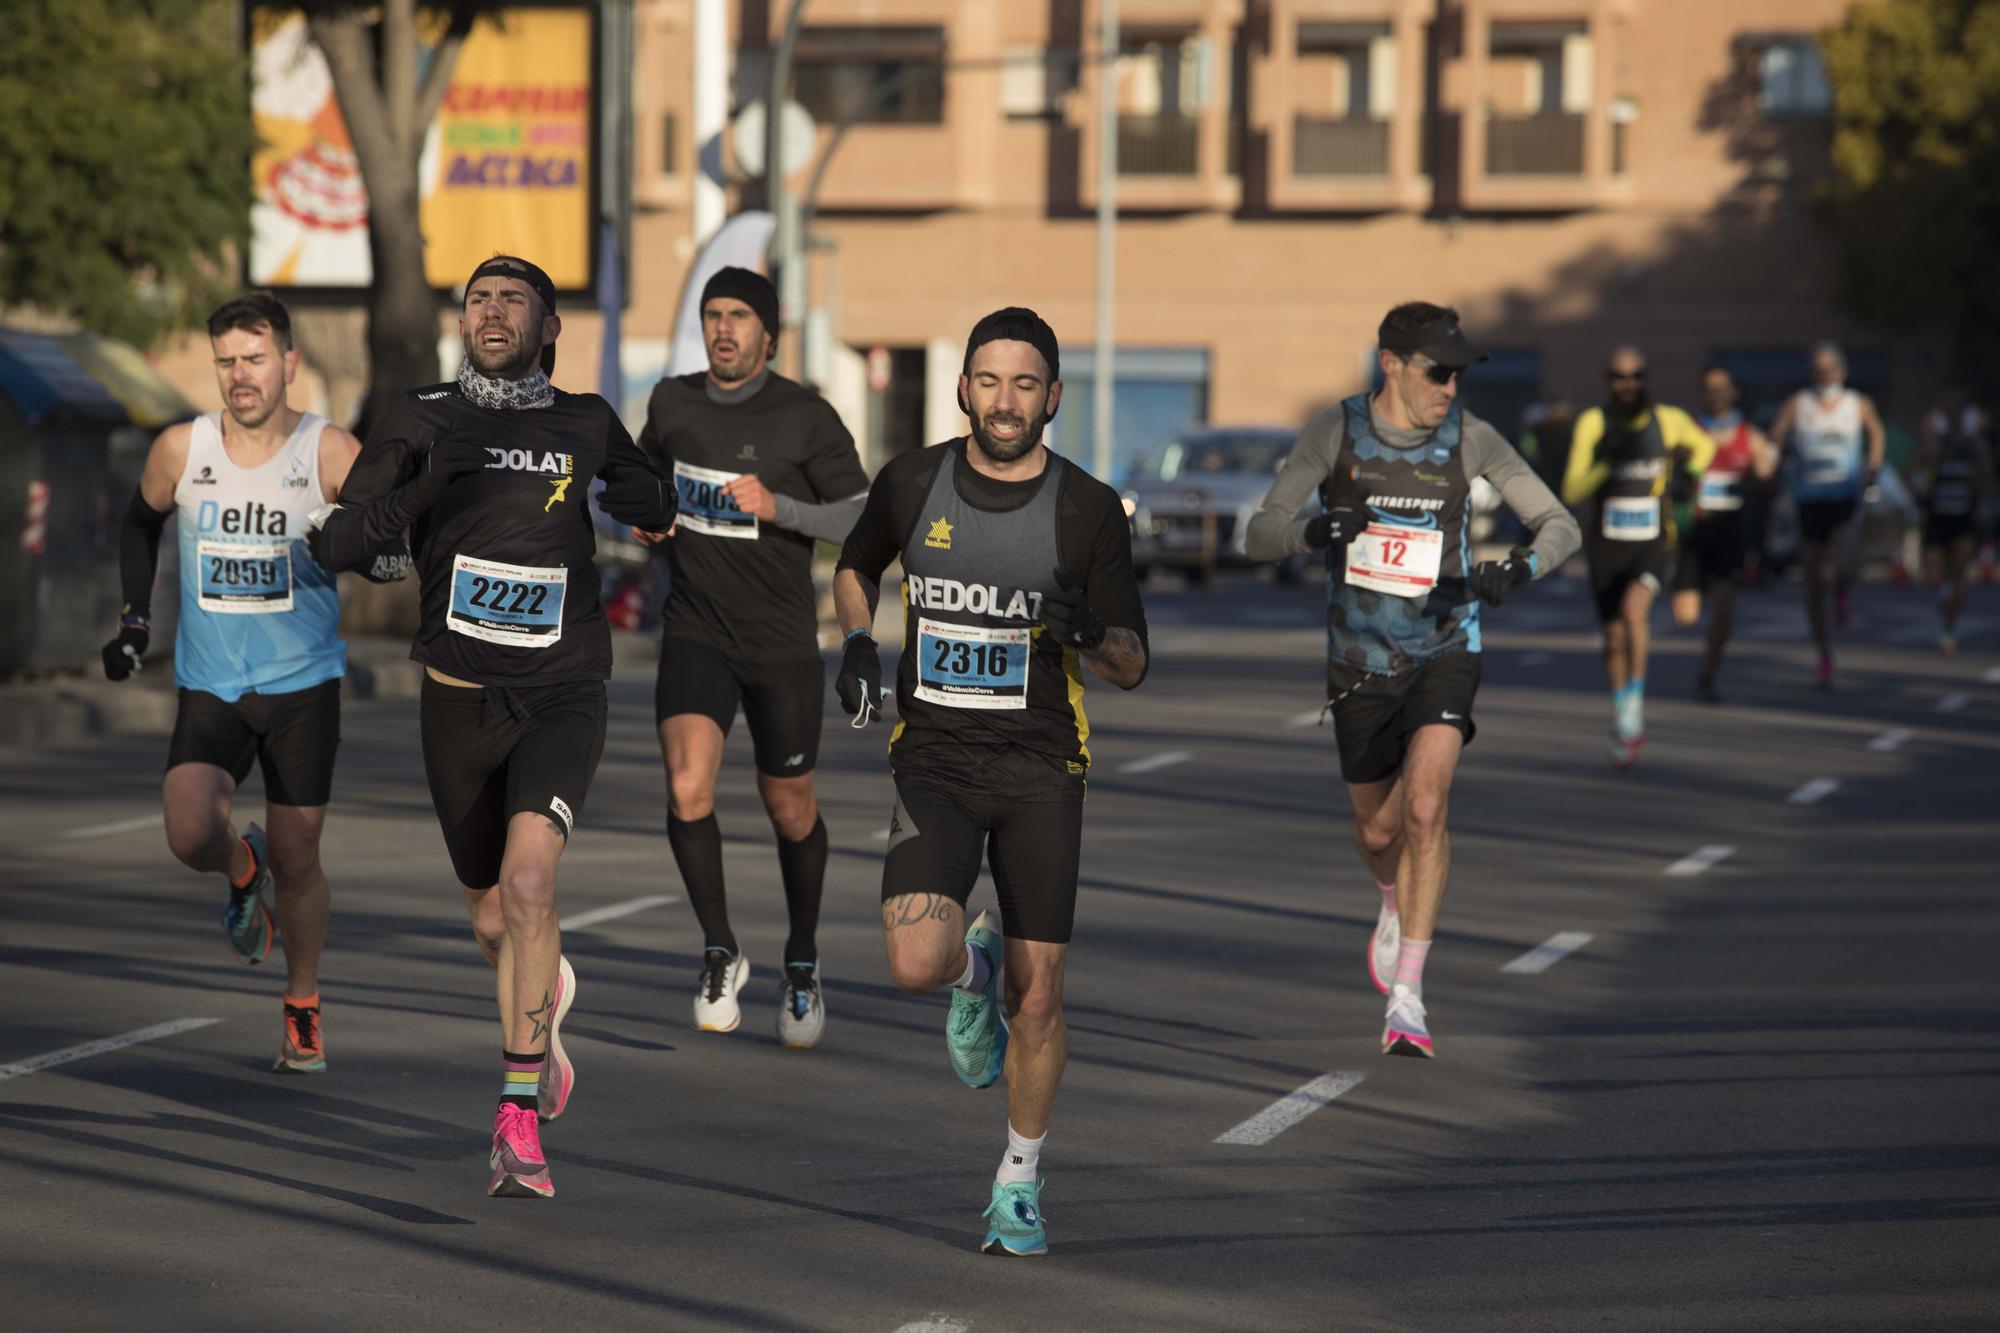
x=1346 y=92
x=1034 y=81
x=871 y=76
x=1791 y=79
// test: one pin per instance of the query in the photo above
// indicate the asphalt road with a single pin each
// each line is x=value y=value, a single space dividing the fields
x=1760 y=1094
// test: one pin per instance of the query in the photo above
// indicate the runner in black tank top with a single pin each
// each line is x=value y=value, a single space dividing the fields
x=1954 y=465
x=1017 y=575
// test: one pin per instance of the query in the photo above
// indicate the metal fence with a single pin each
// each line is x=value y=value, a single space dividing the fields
x=1538 y=145
x=1348 y=146
x=1156 y=145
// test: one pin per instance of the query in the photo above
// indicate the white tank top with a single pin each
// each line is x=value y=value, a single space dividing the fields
x=1829 y=438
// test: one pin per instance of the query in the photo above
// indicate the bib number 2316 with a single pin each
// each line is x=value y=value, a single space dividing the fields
x=517 y=605
x=971 y=666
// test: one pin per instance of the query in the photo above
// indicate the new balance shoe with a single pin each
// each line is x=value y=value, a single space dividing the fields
x=558 y=1075
x=245 y=919
x=1015 y=1220
x=976 y=1031
x=801 y=1011
x=519 y=1169
x=722 y=976
x=1404 y=1030
x=301 y=1052
x=1383 y=947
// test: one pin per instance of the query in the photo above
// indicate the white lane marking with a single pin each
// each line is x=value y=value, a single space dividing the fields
x=1548 y=953
x=90 y=1048
x=1992 y=676
x=1537 y=659
x=1298 y=720
x=600 y=914
x=1696 y=862
x=937 y=1321
x=1154 y=762
x=1289 y=1109
x=1889 y=740
x=115 y=826
x=1951 y=703
x=1814 y=792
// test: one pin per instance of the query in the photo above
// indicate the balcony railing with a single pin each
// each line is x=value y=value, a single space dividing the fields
x=1539 y=145
x=1156 y=145
x=1350 y=146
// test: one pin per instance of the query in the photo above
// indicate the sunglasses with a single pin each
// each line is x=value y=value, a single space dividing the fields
x=1435 y=373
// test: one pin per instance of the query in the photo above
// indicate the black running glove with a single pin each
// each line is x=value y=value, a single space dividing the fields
x=859 y=684
x=124 y=654
x=1336 y=527
x=457 y=454
x=640 y=498
x=1069 y=617
x=1492 y=580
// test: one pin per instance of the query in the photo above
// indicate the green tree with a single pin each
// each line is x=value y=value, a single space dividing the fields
x=1915 y=193
x=124 y=148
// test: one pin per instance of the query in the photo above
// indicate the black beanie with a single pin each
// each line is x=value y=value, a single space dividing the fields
x=507 y=266
x=748 y=286
x=1016 y=324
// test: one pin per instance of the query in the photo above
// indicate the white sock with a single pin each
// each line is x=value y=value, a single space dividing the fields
x=977 y=972
x=1018 y=1163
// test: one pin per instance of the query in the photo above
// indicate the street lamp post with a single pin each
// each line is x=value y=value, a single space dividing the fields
x=1104 y=380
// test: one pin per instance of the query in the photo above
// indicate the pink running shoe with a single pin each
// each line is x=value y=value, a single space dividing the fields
x=1404 y=1030
x=519 y=1170
x=558 y=1075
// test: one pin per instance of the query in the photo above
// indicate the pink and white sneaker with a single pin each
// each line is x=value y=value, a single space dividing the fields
x=558 y=1075
x=519 y=1169
x=1404 y=1031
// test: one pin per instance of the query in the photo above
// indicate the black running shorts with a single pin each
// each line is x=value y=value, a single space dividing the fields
x=1616 y=566
x=493 y=753
x=1711 y=553
x=292 y=737
x=1375 y=716
x=1820 y=520
x=783 y=702
x=938 y=835
x=1943 y=530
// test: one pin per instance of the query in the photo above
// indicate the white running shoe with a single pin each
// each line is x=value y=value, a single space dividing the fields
x=801 y=1011
x=1383 y=947
x=722 y=976
x=1405 y=1029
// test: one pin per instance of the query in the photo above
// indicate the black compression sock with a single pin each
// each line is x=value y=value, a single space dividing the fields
x=697 y=845
x=803 y=864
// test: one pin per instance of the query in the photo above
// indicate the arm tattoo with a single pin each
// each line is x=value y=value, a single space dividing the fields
x=909 y=909
x=1121 y=651
x=556 y=828
x=540 y=1017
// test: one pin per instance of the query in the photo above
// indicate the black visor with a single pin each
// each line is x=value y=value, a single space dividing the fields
x=1441 y=340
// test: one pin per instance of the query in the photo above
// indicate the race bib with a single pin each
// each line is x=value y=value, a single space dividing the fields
x=244 y=578
x=518 y=605
x=706 y=507
x=1951 y=498
x=1828 y=459
x=1402 y=562
x=1631 y=518
x=1721 y=490
x=970 y=666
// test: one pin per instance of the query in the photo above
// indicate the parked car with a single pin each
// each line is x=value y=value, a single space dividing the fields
x=1191 y=498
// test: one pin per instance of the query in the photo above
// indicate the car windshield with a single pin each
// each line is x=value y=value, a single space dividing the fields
x=1209 y=455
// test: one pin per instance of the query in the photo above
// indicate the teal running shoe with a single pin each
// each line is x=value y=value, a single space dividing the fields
x=246 y=919
x=1016 y=1214
x=976 y=1032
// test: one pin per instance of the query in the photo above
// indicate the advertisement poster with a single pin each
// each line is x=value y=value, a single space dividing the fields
x=506 y=165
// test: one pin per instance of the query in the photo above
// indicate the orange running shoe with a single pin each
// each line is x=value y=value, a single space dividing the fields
x=301 y=1052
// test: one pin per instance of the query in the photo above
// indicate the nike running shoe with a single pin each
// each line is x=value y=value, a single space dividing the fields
x=301 y=1052
x=246 y=919
x=722 y=976
x=801 y=1011
x=1404 y=1031
x=519 y=1169
x=1823 y=676
x=1383 y=947
x=976 y=1032
x=558 y=1075
x=1016 y=1220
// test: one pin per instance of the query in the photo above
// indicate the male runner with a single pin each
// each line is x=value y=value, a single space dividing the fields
x=1630 y=461
x=1954 y=467
x=764 y=468
x=1709 y=565
x=1394 y=475
x=1838 y=437
x=258 y=656
x=489 y=475
x=1017 y=571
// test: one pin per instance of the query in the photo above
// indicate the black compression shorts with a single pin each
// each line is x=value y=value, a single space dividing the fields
x=292 y=737
x=782 y=701
x=493 y=753
x=1375 y=716
x=1820 y=520
x=937 y=836
x=1948 y=529
x=1616 y=566
x=1711 y=553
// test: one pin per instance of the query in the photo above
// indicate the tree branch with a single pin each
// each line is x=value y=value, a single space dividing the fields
x=343 y=38
x=399 y=74
x=443 y=62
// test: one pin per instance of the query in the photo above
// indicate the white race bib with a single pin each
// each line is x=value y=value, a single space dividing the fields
x=1631 y=518
x=1402 y=562
x=1828 y=458
x=971 y=666
x=706 y=507
x=245 y=578
x=1721 y=491
x=517 y=605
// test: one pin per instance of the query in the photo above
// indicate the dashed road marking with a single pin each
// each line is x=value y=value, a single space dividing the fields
x=1154 y=762
x=1289 y=1109
x=1952 y=703
x=600 y=914
x=1697 y=861
x=1548 y=953
x=132 y=825
x=1889 y=740
x=100 y=1047
x=1812 y=793
x=935 y=1322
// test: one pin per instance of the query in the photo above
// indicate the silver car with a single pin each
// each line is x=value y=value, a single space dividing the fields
x=1190 y=499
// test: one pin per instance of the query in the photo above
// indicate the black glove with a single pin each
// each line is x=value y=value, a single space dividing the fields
x=1336 y=527
x=859 y=684
x=1069 y=617
x=460 y=453
x=1682 y=481
x=640 y=499
x=122 y=656
x=1492 y=580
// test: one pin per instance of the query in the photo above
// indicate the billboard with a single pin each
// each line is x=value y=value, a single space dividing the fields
x=507 y=164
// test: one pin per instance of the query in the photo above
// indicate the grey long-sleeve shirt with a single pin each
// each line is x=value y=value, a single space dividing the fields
x=1277 y=530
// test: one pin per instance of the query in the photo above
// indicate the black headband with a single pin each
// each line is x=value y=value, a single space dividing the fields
x=1016 y=324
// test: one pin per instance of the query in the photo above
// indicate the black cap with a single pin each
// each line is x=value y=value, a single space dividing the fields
x=508 y=266
x=748 y=286
x=1440 y=339
x=1016 y=323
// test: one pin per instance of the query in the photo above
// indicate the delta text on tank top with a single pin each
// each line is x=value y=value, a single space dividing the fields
x=1400 y=596
x=1829 y=438
x=257 y=615
x=1955 y=471
x=977 y=669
